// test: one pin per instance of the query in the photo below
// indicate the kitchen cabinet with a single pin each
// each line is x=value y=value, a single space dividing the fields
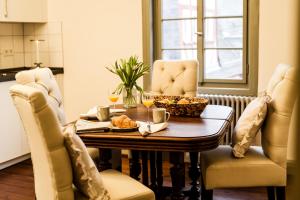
x=23 y=10
x=13 y=141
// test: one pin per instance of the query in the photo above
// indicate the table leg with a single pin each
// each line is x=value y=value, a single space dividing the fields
x=177 y=174
x=159 y=171
x=153 y=184
x=135 y=165
x=145 y=168
x=116 y=160
x=194 y=174
x=104 y=162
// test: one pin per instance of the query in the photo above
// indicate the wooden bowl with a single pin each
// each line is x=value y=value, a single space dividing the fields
x=193 y=107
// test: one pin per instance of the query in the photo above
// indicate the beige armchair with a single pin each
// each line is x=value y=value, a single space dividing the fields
x=43 y=79
x=175 y=77
x=262 y=166
x=51 y=163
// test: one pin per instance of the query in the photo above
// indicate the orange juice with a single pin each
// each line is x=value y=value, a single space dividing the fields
x=113 y=98
x=148 y=103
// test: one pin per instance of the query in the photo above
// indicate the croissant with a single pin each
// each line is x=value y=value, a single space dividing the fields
x=123 y=122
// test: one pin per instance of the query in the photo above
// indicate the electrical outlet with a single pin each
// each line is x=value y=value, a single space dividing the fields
x=7 y=52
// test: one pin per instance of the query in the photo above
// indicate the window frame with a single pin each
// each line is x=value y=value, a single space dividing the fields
x=247 y=86
x=200 y=45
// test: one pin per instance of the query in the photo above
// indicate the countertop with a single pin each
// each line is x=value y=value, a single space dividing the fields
x=9 y=74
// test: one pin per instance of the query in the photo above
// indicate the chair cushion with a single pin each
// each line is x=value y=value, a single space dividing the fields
x=85 y=174
x=283 y=87
x=220 y=169
x=178 y=77
x=248 y=125
x=121 y=186
x=43 y=79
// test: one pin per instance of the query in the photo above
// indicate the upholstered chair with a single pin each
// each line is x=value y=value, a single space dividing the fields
x=174 y=78
x=51 y=162
x=43 y=79
x=179 y=77
x=261 y=166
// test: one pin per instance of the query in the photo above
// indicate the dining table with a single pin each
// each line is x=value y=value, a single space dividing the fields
x=183 y=134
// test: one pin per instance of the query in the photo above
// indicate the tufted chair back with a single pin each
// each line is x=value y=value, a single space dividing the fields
x=43 y=79
x=282 y=88
x=51 y=163
x=178 y=78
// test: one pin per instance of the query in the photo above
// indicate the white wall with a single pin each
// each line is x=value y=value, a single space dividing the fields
x=278 y=22
x=95 y=34
x=278 y=43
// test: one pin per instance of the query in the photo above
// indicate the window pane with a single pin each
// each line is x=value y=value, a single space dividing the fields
x=179 y=54
x=179 y=8
x=223 y=33
x=223 y=8
x=179 y=34
x=223 y=64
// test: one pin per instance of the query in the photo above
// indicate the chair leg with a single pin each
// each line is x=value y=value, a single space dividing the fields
x=276 y=193
x=280 y=193
x=271 y=193
x=205 y=194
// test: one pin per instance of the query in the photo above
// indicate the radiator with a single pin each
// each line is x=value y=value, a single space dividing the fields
x=238 y=103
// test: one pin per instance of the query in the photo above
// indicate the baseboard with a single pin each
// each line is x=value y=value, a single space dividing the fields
x=14 y=161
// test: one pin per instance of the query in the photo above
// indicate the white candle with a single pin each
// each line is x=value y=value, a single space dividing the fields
x=37 y=51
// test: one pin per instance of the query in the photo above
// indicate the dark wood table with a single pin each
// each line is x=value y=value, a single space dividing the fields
x=184 y=134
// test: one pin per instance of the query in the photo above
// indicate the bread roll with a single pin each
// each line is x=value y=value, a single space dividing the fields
x=123 y=122
x=183 y=101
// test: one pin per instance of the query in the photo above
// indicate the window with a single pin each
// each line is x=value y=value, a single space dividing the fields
x=178 y=25
x=221 y=34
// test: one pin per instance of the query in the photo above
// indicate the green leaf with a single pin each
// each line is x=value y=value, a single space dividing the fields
x=129 y=71
x=139 y=88
x=119 y=88
x=112 y=71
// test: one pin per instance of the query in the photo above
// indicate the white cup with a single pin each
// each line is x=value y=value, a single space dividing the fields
x=103 y=113
x=160 y=115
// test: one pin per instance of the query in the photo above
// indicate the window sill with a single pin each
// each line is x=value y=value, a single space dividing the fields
x=227 y=91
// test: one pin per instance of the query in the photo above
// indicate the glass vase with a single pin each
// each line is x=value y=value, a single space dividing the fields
x=129 y=98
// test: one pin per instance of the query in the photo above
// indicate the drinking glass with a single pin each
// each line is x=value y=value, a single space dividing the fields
x=148 y=101
x=113 y=97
